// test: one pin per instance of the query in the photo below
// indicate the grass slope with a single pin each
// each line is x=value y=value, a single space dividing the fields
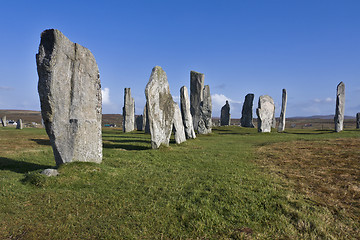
x=219 y=186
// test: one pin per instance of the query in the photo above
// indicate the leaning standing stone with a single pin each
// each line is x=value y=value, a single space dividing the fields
x=340 y=107
x=128 y=111
x=178 y=125
x=185 y=113
x=3 y=121
x=70 y=96
x=196 y=96
x=265 y=113
x=358 y=120
x=247 y=111
x=19 y=124
x=205 y=122
x=160 y=106
x=281 y=127
x=225 y=115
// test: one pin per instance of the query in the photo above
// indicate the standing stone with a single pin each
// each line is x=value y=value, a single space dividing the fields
x=185 y=113
x=281 y=127
x=160 y=106
x=247 y=111
x=70 y=96
x=146 y=126
x=178 y=125
x=340 y=107
x=196 y=96
x=274 y=119
x=19 y=124
x=265 y=113
x=139 y=122
x=205 y=123
x=128 y=111
x=225 y=115
x=358 y=120
x=3 y=121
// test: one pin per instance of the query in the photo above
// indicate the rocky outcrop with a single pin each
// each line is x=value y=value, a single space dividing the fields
x=196 y=96
x=225 y=115
x=185 y=112
x=205 y=122
x=128 y=111
x=265 y=113
x=340 y=107
x=247 y=111
x=282 y=119
x=70 y=96
x=178 y=125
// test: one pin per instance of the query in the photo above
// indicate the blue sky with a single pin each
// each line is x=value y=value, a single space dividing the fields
x=248 y=46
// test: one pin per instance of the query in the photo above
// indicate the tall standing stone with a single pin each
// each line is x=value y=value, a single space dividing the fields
x=185 y=113
x=281 y=126
x=146 y=126
x=265 y=113
x=19 y=124
x=178 y=125
x=160 y=106
x=205 y=122
x=340 y=107
x=225 y=115
x=196 y=96
x=358 y=120
x=139 y=122
x=70 y=96
x=274 y=119
x=247 y=111
x=3 y=121
x=128 y=111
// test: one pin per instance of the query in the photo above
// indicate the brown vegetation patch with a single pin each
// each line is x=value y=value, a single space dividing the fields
x=327 y=171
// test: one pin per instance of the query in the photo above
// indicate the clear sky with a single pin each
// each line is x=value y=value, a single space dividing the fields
x=242 y=46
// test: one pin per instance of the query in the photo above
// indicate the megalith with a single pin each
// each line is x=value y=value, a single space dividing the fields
x=19 y=124
x=265 y=113
x=139 y=122
x=146 y=126
x=340 y=107
x=274 y=119
x=247 y=111
x=160 y=108
x=185 y=113
x=205 y=122
x=196 y=96
x=358 y=120
x=128 y=111
x=70 y=96
x=281 y=126
x=178 y=125
x=225 y=115
x=3 y=121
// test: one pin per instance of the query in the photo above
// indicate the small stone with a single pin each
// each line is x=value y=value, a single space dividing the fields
x=282 y=119
x=186 y=114
x=205 y=122
x=358 y=120
x=146 y=126
x=225 y=115
x=247 y=111
x=19 y=124
x=265 y=113
x=178 y=125
x=128 y=111
x=340 y=107
x=50 y=172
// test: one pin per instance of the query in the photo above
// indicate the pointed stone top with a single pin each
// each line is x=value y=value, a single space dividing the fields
x=194 y=72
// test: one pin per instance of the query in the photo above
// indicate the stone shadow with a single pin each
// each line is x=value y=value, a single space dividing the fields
x=125 y=146
x=20 y=166
x=45 y=142
x=316 y=132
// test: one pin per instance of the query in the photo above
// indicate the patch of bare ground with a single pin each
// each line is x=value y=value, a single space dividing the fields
x=326 y=171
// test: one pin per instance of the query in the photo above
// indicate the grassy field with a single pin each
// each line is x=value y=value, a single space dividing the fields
x=232 y=184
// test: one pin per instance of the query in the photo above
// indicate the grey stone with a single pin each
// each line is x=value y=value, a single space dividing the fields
x=160 y=106
x=340 y=107
x=19 y=124
x=50 y=172
x=225 y=115
x=139 y=122
x=196 y=96
x=186 y=114
x=146 y=126
x=178 y=125
x=358 y=120
x=282 y=119
x=128 y=111
x=70 y=96
x=265 y=113
x=247 y=111
x=274 y=119
x=205 y=122
x=3 y=121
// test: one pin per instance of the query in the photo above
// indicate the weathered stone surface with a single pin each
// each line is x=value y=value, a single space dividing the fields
x=19 y=124
x=225 y=115
x=3 y=121
x=247 y=111
x=274 y=119
x=70 y=95
x=50 y=172
x=205 y=122
x=186 y=114
x=128 y=111
x=281 y=126
x=139 y=122
x=178 y=125
x=358 y=120
x=160 y=106
x=196 y=96
x=146 y=126
x=340 y=107
x=265 y=113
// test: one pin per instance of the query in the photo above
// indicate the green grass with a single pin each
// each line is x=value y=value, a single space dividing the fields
x=212 y=187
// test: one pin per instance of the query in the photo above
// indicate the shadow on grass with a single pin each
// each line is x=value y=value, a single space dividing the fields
x=125 y=146
x=128 y=141
x=315 y=132
x=20 y=166
x=45 y=142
